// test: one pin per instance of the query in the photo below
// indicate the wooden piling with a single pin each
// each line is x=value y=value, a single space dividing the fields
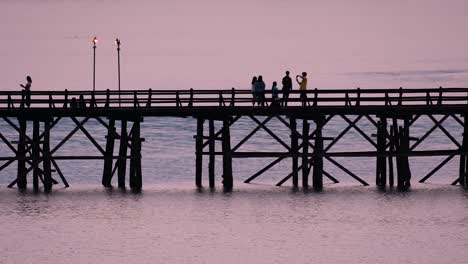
x=108 y=161
x=46 y=161
x=305 y=153
x=211 y=147
x=227 y=156
x=381 y=166
x=135 y=153
x=21 y=181
x=294 y=150
x=35 y=154
x=199 y=153
x=463 y=176
x=122 y=165
x=391 y=179
x=317 y=176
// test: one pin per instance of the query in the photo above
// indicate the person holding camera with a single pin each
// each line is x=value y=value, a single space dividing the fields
x=302 y=81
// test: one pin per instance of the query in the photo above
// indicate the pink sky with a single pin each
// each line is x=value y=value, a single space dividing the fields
x=221 y=44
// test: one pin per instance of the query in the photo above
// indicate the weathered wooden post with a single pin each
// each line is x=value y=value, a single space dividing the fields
x=46 y=162
x=294 y=150
x=199 y=152
x=391 y=179
x=381 y=166
x=305 y=153
x=108 y=155
x=463 y=176
x=122 y=165
x=227 y=158
x=403 y=168
x=211 y=146
x=21 y=156
x=135 y=153
x=35 y=154
x=317 y=176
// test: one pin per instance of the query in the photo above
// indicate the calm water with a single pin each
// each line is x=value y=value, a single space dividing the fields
x=221 y=44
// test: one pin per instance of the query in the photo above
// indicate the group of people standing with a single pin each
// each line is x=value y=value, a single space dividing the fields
x=258 y=89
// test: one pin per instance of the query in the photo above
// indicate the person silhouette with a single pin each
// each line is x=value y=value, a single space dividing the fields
x=274 y=94
x=254 y=95
x=302 y=81
x=81 y=102
x=27 y=91
x=260 y=91
x=287 y=87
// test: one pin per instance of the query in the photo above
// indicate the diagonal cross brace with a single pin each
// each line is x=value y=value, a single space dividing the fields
x=270 y=132
x=83 y=129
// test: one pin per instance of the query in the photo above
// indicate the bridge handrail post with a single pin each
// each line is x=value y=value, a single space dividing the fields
x=233 y=94
x=51 y=101
x=65 y=99
x=347 y=100
x=107 y=104
x=221 y=99
x=190 y=104
x=400 y=97
x=439 y=100
x=10 y=102
x=150 y=94
x=358 y=98
x=136 y=103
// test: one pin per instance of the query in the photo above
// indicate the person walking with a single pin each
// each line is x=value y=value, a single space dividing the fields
x=287 y=87
x=254 y=95
x=27 y=91
x=302 y=81
x=260 y=91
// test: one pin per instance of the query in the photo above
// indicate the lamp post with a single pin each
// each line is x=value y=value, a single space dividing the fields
x=94 y=63
x=117 y=42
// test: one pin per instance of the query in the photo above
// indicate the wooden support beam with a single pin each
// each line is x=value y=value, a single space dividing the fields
x=21 y=180
x=381 y=165
x=88 y=135
x=35 y=155
x=46 y=160
x=317 y=176
x=108 y=161
x=270 y=132
x=236 y=147
x=437 y=168
x=122 y=162
x=135 y=162
x=429 y=132
x=359 y=130
x=227 y=158
x=350 y=173
x=231 y=122
x=211 y=147
x=199 y=153
x=391 y=179
x=305 y=150
x=260 y=172
x=294 y=150
x=463 y=173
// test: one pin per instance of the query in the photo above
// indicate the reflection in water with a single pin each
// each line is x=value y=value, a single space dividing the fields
x=260 y=224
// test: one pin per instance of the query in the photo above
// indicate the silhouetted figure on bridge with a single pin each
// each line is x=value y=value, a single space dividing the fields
x=73 y=104
x=81 y=102
x=254 y=95
x=287 y=87
x=26 y=95
x=302 y=81
x=274 y=95
x=260 y=91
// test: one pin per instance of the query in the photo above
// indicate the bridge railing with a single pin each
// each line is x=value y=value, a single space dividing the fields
x=231 y=98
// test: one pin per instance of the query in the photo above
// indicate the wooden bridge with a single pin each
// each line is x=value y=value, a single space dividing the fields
x=392 y=112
